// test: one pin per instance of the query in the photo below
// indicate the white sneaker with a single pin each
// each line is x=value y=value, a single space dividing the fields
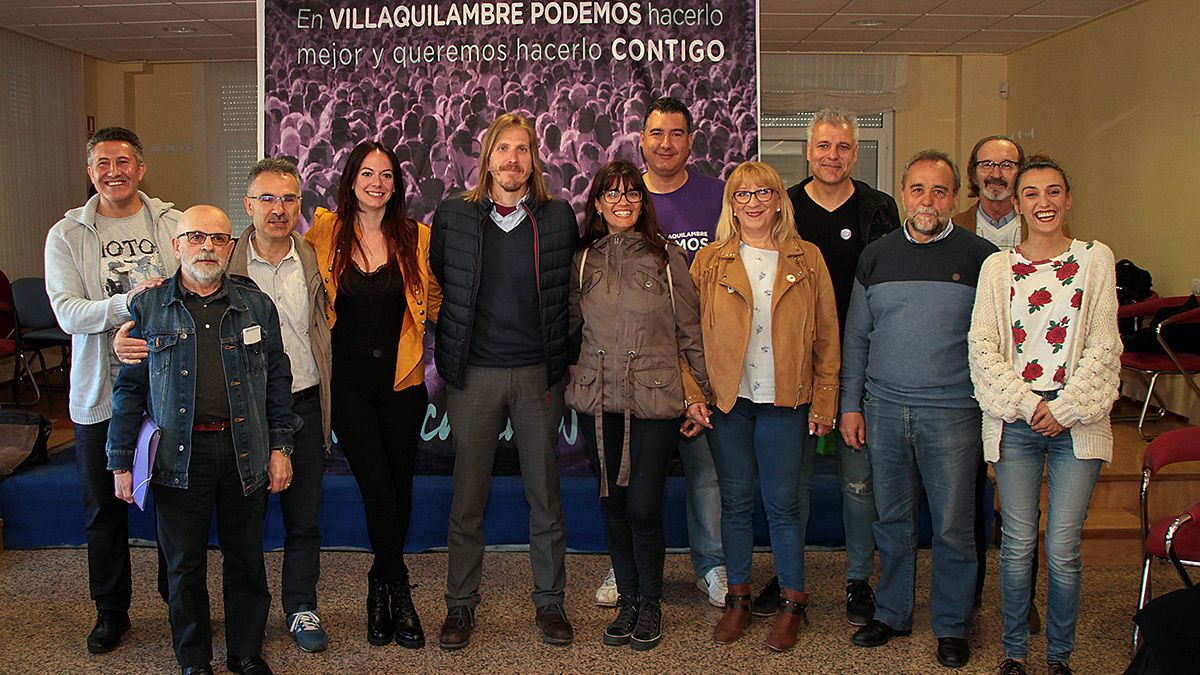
x=716 y=585
x=606 y=595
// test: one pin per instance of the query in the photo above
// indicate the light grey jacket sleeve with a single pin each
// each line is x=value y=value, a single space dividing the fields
x=68 y=291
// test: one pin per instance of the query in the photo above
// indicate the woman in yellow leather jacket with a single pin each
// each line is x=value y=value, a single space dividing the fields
x=374 y=261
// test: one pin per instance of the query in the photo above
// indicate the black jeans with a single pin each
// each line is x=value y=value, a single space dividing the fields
x=633 y=515
x=378 y=429
x=301 y=506
x=183 y=522
x=106 y=521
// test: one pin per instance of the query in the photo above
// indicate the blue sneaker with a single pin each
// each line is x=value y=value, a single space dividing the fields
x=305 y=626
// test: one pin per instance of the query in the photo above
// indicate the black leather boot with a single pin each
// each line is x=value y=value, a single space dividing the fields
x=379 y=614
x=407 y=627
x=111 y=624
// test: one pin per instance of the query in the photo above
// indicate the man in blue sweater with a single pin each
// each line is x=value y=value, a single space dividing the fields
x=906 y=387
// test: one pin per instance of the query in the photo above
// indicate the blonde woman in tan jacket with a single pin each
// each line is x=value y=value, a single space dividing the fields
x=1045 y=360
x=769 y=319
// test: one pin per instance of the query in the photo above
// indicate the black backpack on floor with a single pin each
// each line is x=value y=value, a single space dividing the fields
x=24 y=436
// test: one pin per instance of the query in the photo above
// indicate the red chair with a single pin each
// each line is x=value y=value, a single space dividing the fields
x=1175 y=537
x=1183 y=545
x=7 y=322
x=9 y=346
x=1171 y=361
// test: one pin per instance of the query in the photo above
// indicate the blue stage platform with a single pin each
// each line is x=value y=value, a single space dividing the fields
x=41 y=507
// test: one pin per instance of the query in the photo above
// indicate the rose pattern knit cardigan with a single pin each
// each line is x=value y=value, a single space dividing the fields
x=1083 y=404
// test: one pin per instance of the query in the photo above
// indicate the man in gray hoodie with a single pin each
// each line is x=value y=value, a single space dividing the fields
x=98 y=257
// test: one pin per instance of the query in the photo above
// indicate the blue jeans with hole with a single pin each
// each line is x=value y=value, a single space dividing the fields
x=858 y=508
x=760 y=444
x=911 y=447
x=858 y=504
x=1023 y=453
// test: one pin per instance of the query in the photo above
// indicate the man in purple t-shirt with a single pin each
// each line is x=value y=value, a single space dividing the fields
x=687 y=206
x=687 y=203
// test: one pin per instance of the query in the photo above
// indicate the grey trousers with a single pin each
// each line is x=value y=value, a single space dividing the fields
x=478 y=413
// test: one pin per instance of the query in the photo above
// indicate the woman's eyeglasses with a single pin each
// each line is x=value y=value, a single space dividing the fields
x=614 y=196
x=762 y=194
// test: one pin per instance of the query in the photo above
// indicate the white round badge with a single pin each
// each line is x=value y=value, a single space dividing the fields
x=846 y=233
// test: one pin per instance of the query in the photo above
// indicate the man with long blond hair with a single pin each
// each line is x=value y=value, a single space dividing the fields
x=502 y=255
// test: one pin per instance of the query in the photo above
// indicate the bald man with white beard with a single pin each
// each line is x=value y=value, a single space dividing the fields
x=218 y=385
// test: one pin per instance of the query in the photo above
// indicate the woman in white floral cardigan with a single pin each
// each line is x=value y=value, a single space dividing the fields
x=1045 y=359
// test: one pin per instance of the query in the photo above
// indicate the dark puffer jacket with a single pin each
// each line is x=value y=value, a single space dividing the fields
x=455 y=254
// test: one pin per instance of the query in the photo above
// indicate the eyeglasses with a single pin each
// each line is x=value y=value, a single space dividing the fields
x=762 y=194
x=614 y=196
x=197 y=238
x=987 y=165
x=269 y=200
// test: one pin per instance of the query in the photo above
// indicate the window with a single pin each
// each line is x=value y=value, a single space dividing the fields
x=784 y=144
x=231 y=91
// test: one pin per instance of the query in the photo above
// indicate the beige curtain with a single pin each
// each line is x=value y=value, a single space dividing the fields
x=42 y=139
x=862 y=84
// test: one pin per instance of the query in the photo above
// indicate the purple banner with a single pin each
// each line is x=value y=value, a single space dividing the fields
x=427 y=78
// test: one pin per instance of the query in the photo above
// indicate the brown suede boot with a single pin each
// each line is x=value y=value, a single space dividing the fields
x=792 y=611
x=736 y=616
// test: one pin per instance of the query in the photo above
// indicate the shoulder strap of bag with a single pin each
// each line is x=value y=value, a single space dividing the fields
x=670 y=281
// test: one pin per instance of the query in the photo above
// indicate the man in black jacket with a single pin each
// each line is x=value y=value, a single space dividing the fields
x=502 y=255
x=841 y=216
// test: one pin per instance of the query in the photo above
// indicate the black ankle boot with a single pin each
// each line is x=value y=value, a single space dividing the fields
x=618 y=632
x=379 y=615
x=647 y=633
x=407 y=627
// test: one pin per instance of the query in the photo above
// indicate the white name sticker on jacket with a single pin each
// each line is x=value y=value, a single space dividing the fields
x=252 y=335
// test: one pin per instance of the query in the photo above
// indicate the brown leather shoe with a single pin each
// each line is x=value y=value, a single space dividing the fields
x=555 y=627
x=792 y=606
x=456 y=629
x=736 y=616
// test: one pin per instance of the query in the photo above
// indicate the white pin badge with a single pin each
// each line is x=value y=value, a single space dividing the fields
x=846 y=233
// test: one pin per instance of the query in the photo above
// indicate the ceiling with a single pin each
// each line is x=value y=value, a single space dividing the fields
x=141 y=30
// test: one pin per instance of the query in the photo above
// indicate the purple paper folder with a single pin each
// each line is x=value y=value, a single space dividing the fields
x=143 y=460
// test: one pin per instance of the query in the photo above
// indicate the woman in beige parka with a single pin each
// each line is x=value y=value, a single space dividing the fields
x=635 y=318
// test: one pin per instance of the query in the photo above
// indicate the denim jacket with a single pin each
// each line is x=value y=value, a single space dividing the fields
x=258 y=380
